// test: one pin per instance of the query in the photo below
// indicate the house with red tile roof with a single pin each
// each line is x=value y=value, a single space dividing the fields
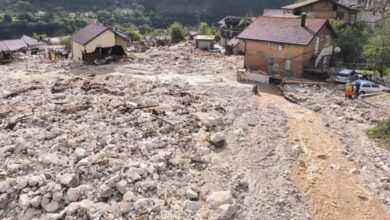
x=96 y=41
x=284 y=46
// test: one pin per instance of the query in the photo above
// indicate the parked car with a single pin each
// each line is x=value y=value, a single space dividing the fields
x=346 y=75
x=367 y=87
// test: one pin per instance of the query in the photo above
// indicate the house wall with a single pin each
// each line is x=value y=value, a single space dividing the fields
x=77 y=50
x=203 y=44
x=121 y=42
x=106 y=39
x=324 y=9
x=259 y=53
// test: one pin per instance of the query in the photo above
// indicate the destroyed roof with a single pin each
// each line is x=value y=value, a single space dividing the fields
x=32 y=41
x=90 y=32
x=15 y=45
x=239 y=19
x=3 y=47
x=284 y=30
x=310 y=2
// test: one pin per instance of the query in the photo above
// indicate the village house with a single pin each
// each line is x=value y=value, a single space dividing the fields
x=16 y=45
x=205 y=42
x=96 y=42
x=33 y=44
x=286 y=45
x=322 y=9
x=231 y=26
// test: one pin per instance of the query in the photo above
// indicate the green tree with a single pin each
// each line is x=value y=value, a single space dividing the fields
x=7 y=18
x=27 y=17
x=377 y=50
x=350 y=39
x=204 y=29
x=177 y=31
x=134 y=34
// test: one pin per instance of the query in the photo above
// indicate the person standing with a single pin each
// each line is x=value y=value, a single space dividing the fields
x=357 y=89
x=348 y=90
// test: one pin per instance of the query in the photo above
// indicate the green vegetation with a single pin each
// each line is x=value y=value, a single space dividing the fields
x=377 y=49
x=177 y=31
x=134 y=34
x=351 y=40
x=381 y=133
x=204 y=29
x=56 y=17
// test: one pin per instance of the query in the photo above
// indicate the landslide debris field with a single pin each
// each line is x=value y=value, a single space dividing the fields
x=169 y=134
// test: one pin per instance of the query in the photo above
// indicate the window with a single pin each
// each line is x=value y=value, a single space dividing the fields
x=271 y=65
x=287 y=65
x=340 y=15
x=334 y=7
x=374 y=85
x=366 y=85
x=317 y=48
x=328 y=39
x=279 y=46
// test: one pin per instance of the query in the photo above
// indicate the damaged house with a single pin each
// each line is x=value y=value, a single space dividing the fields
x=97 y=42
x=286 y=46
x=231 y=26
x=322 y=9
x=5 y=53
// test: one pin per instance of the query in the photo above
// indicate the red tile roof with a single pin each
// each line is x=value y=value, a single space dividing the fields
x=88 y=33
x=284 y=30
x=3 y=47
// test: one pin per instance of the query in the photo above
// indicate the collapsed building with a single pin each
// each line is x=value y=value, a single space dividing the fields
x=231 y=26
x=98 y=42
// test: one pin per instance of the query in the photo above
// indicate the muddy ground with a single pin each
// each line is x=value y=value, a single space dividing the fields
x=170 y=134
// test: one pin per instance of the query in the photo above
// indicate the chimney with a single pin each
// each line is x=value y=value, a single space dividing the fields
x=303 y=20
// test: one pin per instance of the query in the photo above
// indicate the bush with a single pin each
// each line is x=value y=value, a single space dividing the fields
x=134 y=34
x=178 y=32
x=381 y=133
x=204 y=29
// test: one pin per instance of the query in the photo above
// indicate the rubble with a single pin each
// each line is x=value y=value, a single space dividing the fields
x=168 y=134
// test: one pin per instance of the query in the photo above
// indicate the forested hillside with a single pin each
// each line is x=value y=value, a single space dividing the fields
x=57 y=17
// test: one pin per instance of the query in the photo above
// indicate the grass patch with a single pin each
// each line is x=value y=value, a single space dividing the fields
x=381 y=133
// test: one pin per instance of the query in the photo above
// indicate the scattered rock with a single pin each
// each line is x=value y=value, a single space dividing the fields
x=216 y=199
x=191 y=206
x=226 y=211
x=191 y=194
x=69 y=179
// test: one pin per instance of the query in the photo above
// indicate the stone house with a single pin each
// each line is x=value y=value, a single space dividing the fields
x=285 y=46
x=96 y=42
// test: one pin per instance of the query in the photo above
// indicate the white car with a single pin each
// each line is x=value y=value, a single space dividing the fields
x=346 y=75
x=367 y=87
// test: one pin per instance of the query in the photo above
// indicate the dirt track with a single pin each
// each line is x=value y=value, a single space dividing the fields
x=323 y=176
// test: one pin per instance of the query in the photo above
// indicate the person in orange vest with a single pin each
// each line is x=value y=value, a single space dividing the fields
x=348 y=90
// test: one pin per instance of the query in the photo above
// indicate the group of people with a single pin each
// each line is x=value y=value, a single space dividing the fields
x=350 y=90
